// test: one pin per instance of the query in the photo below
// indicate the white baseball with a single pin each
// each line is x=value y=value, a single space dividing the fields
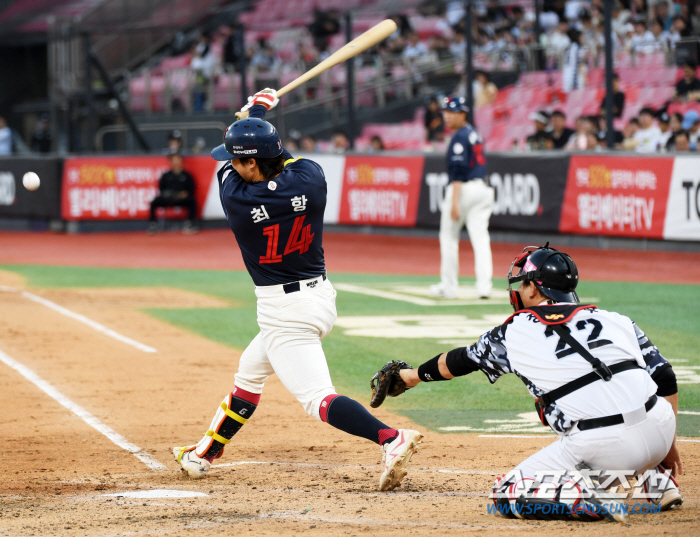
x=31 y=181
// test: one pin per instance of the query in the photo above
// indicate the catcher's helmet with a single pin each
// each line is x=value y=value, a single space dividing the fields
x=249 y=137
x=453 y=103
x=553 y=272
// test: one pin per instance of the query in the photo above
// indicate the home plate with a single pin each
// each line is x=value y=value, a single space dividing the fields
x=158 y=493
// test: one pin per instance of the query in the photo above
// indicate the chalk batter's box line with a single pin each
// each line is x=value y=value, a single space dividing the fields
x=83 y=414
x=80 y=318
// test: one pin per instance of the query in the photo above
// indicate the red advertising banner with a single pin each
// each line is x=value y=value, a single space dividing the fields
x=121 y=188
x=381 y=191
x=616 y=196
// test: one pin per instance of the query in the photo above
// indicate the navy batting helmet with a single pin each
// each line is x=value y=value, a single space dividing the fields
x=553 y=272
x=453 y=103
x=249 y=137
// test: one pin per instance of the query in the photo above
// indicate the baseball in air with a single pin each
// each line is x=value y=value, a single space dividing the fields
x=31 y=181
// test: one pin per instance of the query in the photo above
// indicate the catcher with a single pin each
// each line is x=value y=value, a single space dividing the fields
x=598 y=382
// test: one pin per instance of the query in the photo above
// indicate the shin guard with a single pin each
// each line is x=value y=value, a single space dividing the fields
x=235 y=410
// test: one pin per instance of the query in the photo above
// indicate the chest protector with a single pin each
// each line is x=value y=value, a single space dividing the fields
x=556 y=316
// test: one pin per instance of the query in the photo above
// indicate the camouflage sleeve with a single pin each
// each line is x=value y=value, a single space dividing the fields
x=490 y=355
x=652 y=356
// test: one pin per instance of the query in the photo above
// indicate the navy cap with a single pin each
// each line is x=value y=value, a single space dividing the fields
x=454 y=103
x=249 y=137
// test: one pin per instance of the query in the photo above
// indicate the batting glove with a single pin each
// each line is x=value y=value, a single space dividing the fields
x=267 y=98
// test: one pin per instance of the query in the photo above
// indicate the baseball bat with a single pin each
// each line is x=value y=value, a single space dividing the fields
x=361 y=43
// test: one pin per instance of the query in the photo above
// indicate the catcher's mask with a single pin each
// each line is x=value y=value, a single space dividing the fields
x=553 y=272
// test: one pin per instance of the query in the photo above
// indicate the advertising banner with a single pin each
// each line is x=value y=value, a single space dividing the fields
x=528 y=191
x=683 y=208
x=381 y=191
x=15 y=200
x=121 y=188
x=616 y=196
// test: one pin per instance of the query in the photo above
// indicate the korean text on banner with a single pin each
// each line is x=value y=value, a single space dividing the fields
x=616 y=196
x=111 y=188
x=683 y=209
x=381 y=191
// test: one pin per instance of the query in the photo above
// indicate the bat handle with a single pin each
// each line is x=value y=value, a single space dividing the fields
x=242 y=115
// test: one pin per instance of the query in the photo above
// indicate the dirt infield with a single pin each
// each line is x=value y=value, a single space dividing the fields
x=345 y=252
x=294 y=474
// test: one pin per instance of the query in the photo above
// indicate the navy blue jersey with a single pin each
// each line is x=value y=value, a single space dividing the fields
x=465 y=156
x=278 y=223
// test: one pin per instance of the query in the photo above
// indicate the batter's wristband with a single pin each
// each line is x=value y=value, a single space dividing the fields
x=430 y=371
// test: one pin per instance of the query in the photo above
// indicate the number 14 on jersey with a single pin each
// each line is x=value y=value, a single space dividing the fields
x=299 y=239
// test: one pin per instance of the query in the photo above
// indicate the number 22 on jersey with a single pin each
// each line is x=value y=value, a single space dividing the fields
x=299 y=239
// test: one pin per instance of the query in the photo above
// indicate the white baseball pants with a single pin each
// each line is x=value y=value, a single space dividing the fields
x=289 y=343
x=475 y=207
x=637 y=445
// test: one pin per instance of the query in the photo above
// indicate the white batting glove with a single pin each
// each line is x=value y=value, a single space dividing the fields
x=267 y=98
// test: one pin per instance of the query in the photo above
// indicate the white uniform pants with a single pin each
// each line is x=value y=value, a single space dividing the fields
x=628 y=446
x=475 y=207
x=289 y=343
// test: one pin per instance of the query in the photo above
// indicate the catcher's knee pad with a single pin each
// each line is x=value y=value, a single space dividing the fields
x=525 y=498
x=234 y=411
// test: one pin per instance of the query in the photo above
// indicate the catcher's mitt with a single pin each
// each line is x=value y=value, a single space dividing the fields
x=389 y=382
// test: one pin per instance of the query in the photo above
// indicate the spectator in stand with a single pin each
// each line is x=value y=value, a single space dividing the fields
x=647 y=137
x=676 y=127
x=628 y=133
x=572 y=69
x=339 y=142
x=592 y=143
x=234 y=47
x=541 y=137
x=434 y=122
x=415 y=48
x=175 y=189
x=173 y=142
x=682 y=142
x=485 y=91
x=560 y=134
x=265 y=59
x=5 y=138
x=308 y=144
x=41 y=139
x=688 y=88
x=663 y=14
x=202 y=65
x=376 y=144
x=664 y=121
x=679 y=29
x=695 y=19
x=557 y=43
x=579 y=140
x=458 y=46
x=662 y=38
x=643 y=41
x=618 y=98
x=324 y=25
x=603 y=132
x=691 y=123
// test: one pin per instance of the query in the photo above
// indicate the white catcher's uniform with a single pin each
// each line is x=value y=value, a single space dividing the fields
x=527 y=347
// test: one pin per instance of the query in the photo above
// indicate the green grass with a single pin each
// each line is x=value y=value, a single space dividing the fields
x=669 y=314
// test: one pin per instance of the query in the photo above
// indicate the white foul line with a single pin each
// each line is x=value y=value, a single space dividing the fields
x=79 y=411
x=92 y=324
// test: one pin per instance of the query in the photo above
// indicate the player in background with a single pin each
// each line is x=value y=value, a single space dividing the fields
x=598 y=381
x=274 y=204
x=468 y=200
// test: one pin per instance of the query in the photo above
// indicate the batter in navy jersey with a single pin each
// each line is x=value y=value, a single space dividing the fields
x=468 y=201
x=274 y=204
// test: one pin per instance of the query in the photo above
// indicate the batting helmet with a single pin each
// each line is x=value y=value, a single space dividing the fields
x=453 y=103
x=553 y=272
x=249 y=137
